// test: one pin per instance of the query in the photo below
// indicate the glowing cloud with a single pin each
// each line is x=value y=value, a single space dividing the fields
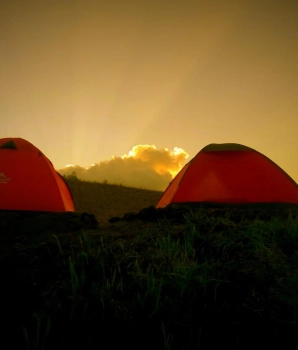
x=144 y=166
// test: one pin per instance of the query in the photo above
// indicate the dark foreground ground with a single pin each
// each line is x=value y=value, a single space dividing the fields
x=178 y=278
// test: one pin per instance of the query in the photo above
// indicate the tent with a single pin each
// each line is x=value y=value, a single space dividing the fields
x=28 y=180
x=230 y=173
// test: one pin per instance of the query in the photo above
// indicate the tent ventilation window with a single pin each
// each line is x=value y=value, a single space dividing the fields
x=9 y=145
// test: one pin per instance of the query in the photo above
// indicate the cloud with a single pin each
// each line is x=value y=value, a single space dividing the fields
x=144 y=167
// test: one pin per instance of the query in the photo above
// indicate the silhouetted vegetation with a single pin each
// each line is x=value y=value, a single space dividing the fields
x=106 y=200
x=183 y=277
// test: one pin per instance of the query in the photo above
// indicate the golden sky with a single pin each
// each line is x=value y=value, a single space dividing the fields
x=87 y=80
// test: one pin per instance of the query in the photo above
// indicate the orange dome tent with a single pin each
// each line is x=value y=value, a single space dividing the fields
x=230 y=173
x=28 y=180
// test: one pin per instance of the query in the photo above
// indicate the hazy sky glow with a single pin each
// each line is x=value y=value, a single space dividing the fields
x=88 y=80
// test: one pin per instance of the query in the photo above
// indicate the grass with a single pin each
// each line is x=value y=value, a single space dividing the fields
x=179 y=278
x=106 y=200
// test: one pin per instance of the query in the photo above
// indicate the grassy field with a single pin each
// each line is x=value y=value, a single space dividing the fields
x=184 y=277
x=107 y=200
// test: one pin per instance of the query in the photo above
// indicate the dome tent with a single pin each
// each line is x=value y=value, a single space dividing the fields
x=230 y=173
x=28 y=180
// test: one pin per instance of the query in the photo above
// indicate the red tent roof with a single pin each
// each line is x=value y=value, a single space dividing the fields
x=230 y=173
x=28 y=180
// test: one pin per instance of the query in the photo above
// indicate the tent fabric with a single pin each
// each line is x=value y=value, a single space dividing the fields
x=28 y=180
x=230 y=173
